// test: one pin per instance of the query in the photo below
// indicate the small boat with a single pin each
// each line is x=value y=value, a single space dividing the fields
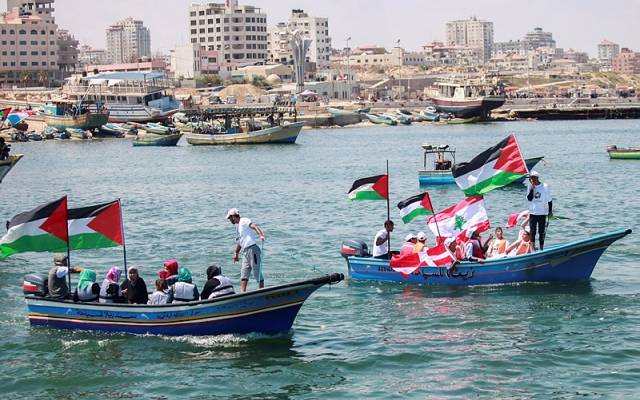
x=568 y=262
x=381 y=119
x=19 y=136
x=274 y=135
x=443 y=159
x=457 y=121
x=35 y=136
x=83 y=115
x=50 y=132
x=628 y=153
x=79 y=133
x=339 y=112
x=159 y=129
x=8 y=164
x=153 y=139
x=62 y=135
x=399 y=118
x=415 y=117
x=108 y=130
x=269 y=310
x=431 y=116
x=344 y=117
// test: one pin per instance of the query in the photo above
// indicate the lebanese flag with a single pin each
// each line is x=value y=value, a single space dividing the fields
x=415 y=206
x=457 y=220
x=437 y=256
x=494 y=168
x=515 y=219
x=372 y=188
x=41 y=229
x=96 y=227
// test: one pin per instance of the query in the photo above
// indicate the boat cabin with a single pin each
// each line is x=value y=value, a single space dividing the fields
x=443 y=157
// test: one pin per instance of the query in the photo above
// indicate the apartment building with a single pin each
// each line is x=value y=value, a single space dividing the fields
x=626 y=62
x=472 y=33
x=128 y=41
x=607 y=51
x=238 y=33
x=315 y=28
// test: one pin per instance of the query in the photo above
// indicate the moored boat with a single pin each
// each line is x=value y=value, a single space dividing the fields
x=381 y=119
x=568 y=262
x=64 y=114
x=270 y=310
x=466 y=98
x=79 y=133
x=7 y=164
x=629 y=153
x=458 y=121
x=107 y=130
x=274 y=135
x=152 y=139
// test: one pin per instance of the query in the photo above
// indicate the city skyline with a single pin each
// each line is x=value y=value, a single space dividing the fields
x=375 y=22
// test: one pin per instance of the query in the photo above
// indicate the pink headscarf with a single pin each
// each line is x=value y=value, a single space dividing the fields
x=171 y=266
x=114 y=274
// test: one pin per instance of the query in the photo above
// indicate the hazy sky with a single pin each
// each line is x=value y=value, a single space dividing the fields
x=579 y=24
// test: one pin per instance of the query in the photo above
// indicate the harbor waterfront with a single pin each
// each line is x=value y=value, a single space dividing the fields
x=353 y=339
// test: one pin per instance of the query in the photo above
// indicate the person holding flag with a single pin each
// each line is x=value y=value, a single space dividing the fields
x=539 y=198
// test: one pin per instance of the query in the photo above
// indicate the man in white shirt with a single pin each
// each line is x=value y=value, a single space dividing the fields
x=381 y=241
x=247 y=243
x=539 y=198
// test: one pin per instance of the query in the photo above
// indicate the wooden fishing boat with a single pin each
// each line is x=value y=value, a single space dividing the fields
x=339 y=112
x=381 y=119
x=458 y=121
x=109 y=130
x=443 y=159
x=152 y=139
x=275 y=135
x=269 y=311
x=344 y=117
x=63 y=114
x=629 y=153
x=569 y=262
x=8 y=164
x=159 y=129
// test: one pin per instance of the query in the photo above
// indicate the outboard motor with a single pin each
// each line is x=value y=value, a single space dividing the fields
x=35 y=285
x=355 y=248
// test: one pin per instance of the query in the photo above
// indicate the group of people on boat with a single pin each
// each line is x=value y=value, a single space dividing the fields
x=173 y=285
x=4 y=149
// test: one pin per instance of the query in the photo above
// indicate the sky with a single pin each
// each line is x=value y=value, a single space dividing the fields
x=578 y=24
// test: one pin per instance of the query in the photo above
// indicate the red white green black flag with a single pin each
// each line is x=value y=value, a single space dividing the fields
x=372 y=188
x=95 y=227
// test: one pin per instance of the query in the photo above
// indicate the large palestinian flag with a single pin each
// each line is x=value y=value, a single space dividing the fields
x=95 y=227
x=457 y=220
x=495 y=167
x=372 y=188
x=415 y=206
x=41 y=229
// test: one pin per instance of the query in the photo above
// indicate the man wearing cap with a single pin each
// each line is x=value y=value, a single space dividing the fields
x=57 y=280
x=381 y=241
x=539 y=198
x=247 y=243
x=409 y=242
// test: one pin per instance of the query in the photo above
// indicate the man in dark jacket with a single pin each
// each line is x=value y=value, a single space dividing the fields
x=134 y=289
x=217 y=284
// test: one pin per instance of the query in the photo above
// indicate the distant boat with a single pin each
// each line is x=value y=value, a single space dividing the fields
x=629 y=153
x=275 y=135
x=8 y=164
x=338 y=112
x=465 y=98
x=79 y=133
x=399 y=118
x=35 y=136
x=443 y=159
x=381 y=119
x=456 y=121
x=159 y=129
x=110 y=131
x=65 y=114
x=152 y=139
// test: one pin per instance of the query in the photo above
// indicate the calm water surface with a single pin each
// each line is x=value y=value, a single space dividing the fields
x=353 y=339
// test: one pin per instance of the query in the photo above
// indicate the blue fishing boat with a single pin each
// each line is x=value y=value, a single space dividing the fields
x=270 y=311
x=442 y=158
x=152 y=139
x=567 y=262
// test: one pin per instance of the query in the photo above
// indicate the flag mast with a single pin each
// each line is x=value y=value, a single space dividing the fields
x=388 y=209
x=66 y=225
x=124 y=245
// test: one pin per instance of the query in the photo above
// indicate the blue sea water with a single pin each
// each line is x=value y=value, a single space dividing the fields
x=354 y=339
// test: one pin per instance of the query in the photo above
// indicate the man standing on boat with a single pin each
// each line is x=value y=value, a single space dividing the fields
x=247 y=243
x=539 y=197
x=381 y=241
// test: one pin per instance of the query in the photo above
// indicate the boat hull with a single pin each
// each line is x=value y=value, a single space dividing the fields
x=435 y=177
x=563 y=263
x=151 y=139
x=624 y=154
x=468 y=108
x=269 y=311
x=84 y=121
x=8 y=164
x=138 y=113
x=286 y=134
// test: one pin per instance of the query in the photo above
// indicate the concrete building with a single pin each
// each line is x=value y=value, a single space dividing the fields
x=68 y=52
x=472 y=33
x=315 y=28
x=237 y=33
x=607 y=51
x=192 y=61
x=437 y=54
x=538 y=38
x=143 y=66
x=28 y=45
x=626 y=62
x=531 y=41
x=128 y=41
x=91 y=56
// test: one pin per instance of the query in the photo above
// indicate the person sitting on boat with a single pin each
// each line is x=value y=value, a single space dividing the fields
x=110 y=289
x=421 y=243
x=87 y=289
x=169 y=272
x=521 y=246
x=409 y=242
x=452 y=246
x=498 y=245
x=381 y=241
x=184 y=290
x=4 y=149
x=217 y=284
x=473 y=249
x=134 y=289
x=160 y=295
x=57 y=282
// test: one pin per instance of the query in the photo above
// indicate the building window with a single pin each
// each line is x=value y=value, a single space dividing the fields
x=194 y=31
x=34 y=32
x=22 y=32
x=23 y=63
x=34 y=42
x=210 y=21
x=201 y=12
x=4 y=32
x=34 y=53
x=192 y=13
x=23 y=53
x=201 y=30
x=193 y=22
x=201 y=22
x=34 y=63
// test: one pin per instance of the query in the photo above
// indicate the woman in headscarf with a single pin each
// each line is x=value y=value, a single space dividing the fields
x=169 y=272
x=110 y=289
x=184 y=290
x=134 y=289
x=87 y=289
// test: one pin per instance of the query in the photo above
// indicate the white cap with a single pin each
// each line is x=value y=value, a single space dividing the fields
x=422 y=236
x=409 y=237
x=61 y=272
x=232 y=211
x=534 y=173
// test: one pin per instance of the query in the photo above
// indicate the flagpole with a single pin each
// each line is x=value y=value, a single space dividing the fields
x=68 y=248
x=388 y=209
x=124 y=244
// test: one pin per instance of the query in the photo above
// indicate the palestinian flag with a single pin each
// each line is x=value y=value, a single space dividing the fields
x=415 y=206
x=95 y=227
x=438 y=256
x=372 y=188
x=457 y=220
x=41 y=229
x=495 y=167
x=4 y=112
